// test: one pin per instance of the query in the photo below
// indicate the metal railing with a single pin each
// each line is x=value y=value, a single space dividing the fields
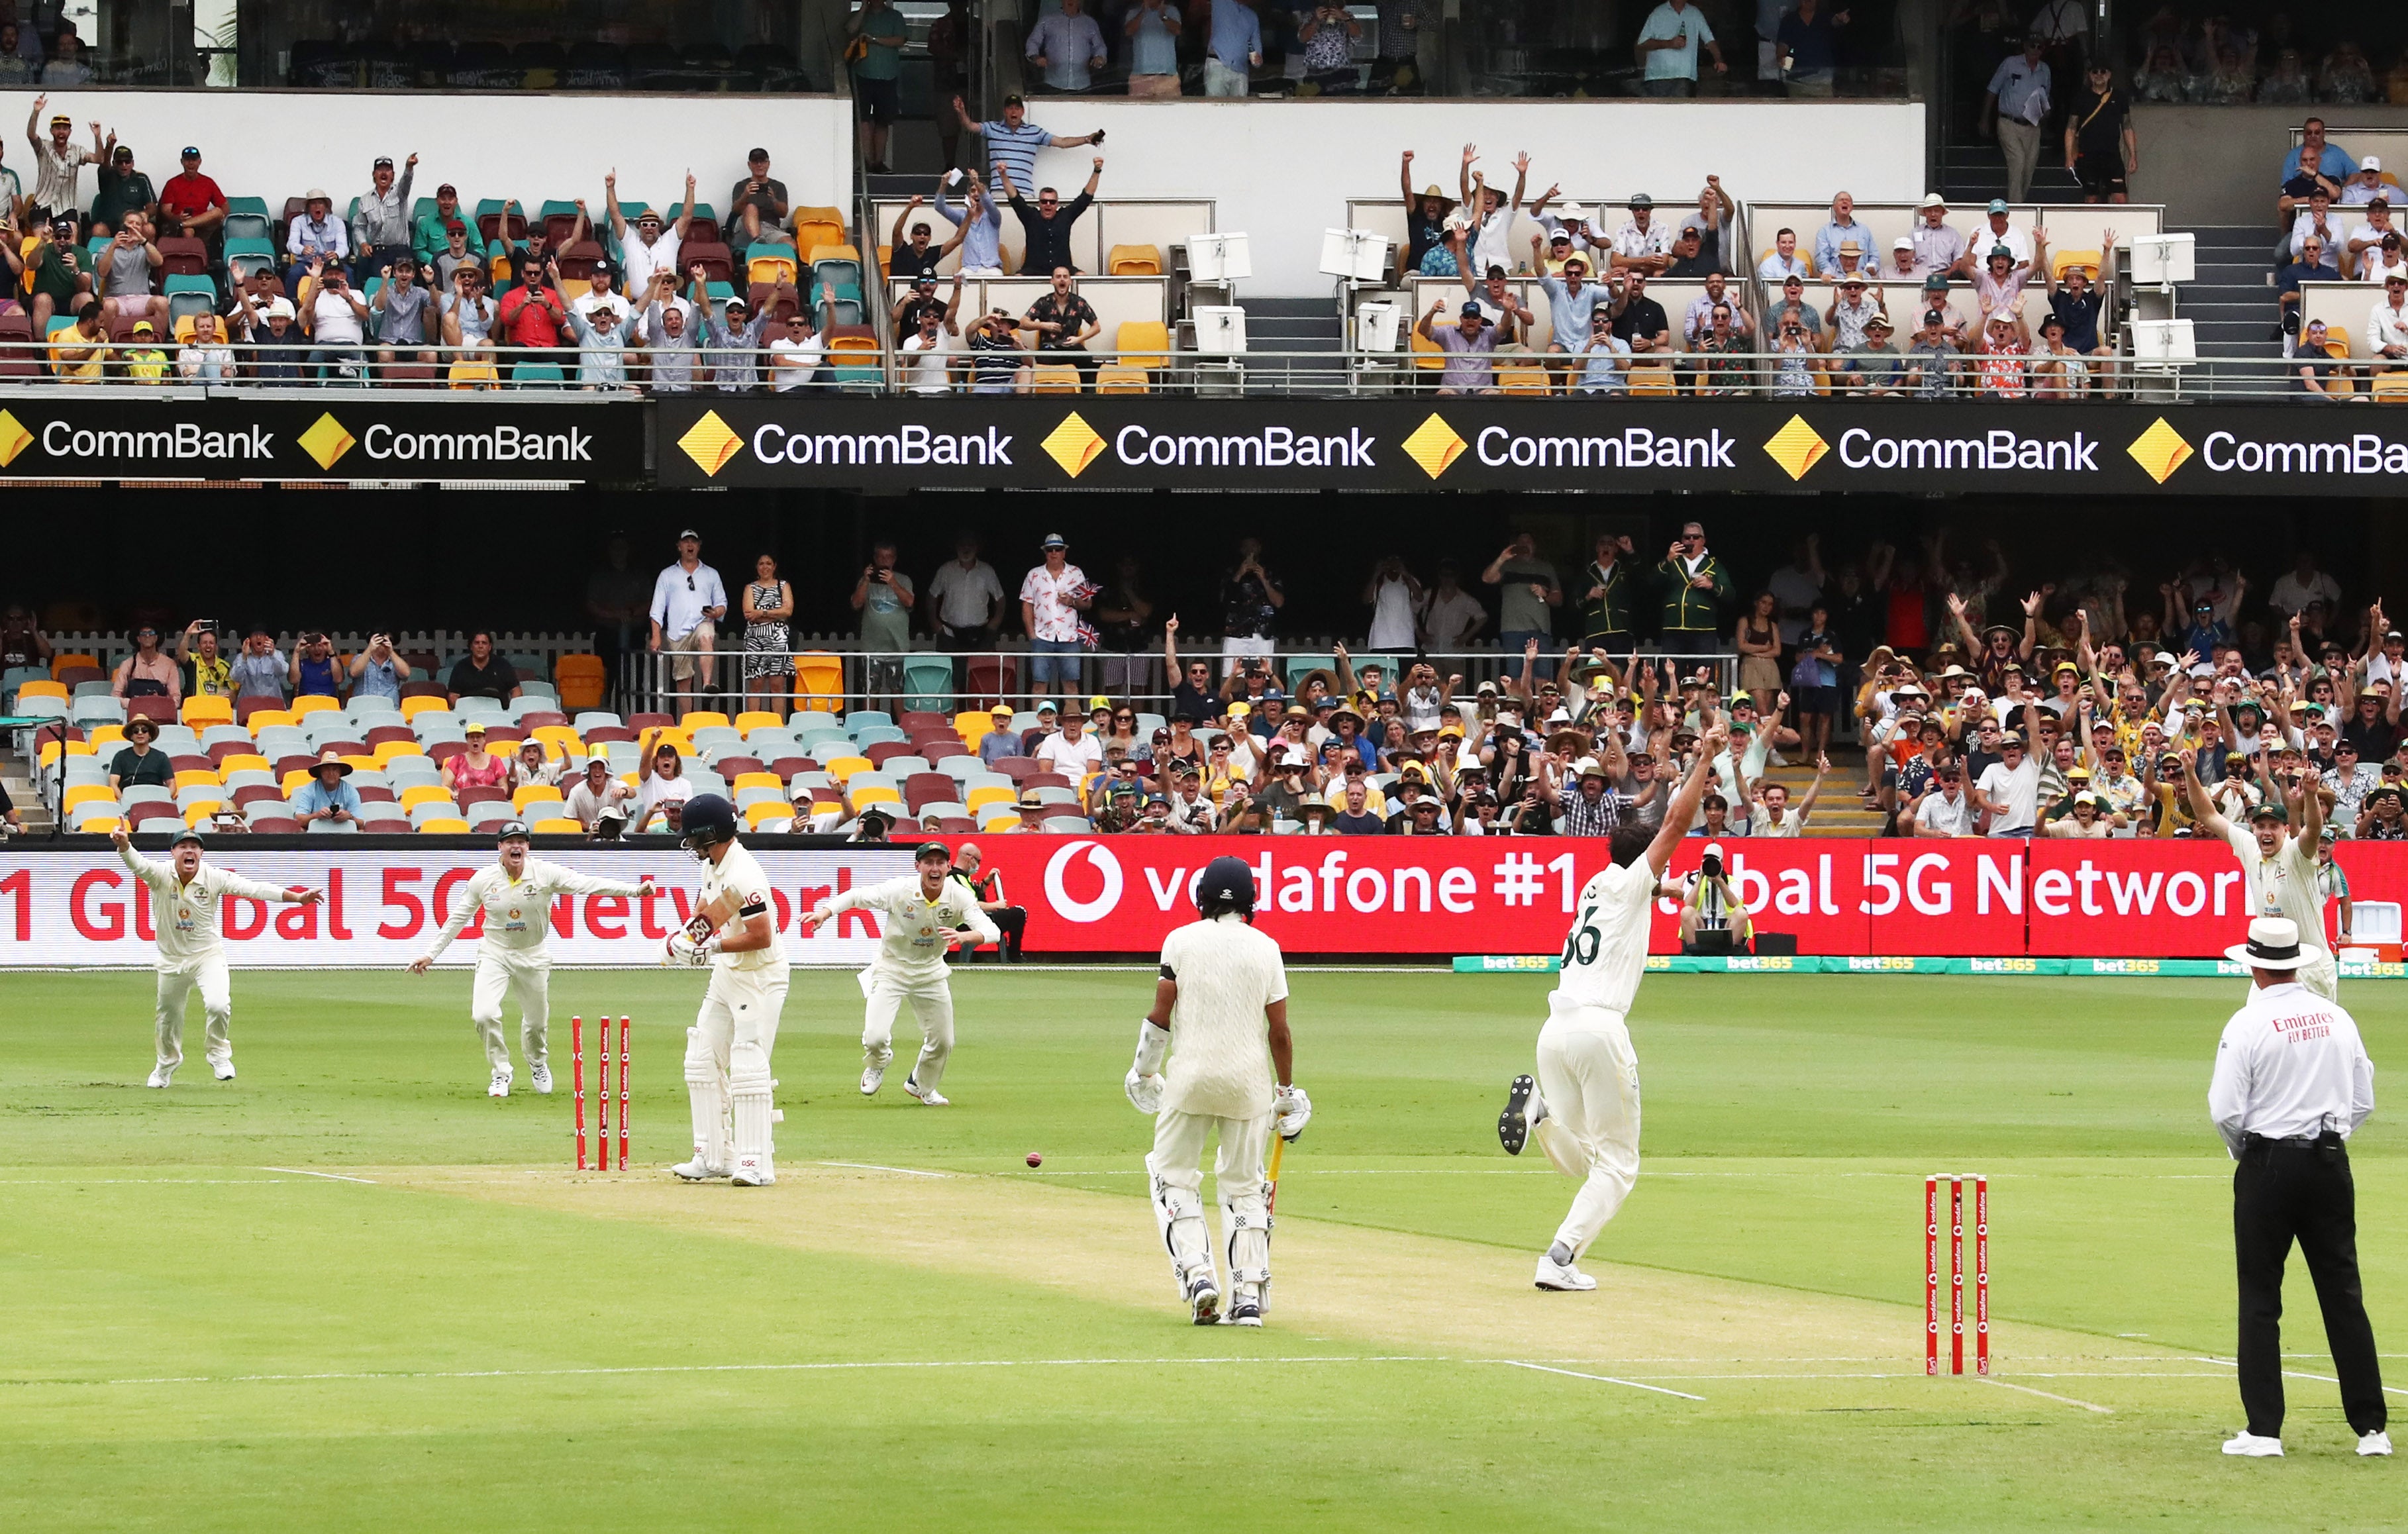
x=933 y=680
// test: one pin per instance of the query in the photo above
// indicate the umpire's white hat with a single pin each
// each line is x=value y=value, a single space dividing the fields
x=2274 y=944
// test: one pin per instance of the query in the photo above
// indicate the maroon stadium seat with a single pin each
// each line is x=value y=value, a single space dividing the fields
x=443 y=750
x=1015 y=767
x=1044 y=780
x=786 y=767
x=576 y=263
x=640 y=723
x=927 y=788
x=159 y=810
x=276 y=826
x=989 y=676
x=470 y=797
x=604 y=734
x=912 y=722
x=886 y=750
x=182 y=256
x=536 y=721
x=957 y=825
x=191 y=762
x=371 y=794
x=728 y=767
x=422 y=665
x=251 y=794
x=246 y=707
x=73 y=677
x=384 y=733
x=154 y=707
x=385 y=827
x=297 y=762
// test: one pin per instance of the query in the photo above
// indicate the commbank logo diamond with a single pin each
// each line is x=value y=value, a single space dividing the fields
x=1073 y=444
x=710 y=444
x=326 y=442
x=2159 y=451
x=1797 y=447
x=14 y=438
x=1434 y=446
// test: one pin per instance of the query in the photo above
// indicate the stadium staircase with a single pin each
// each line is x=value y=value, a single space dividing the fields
x=16 y=776
x=1840 y=812
x=1973 y=171
x=2231 y=308
x=1296 y=325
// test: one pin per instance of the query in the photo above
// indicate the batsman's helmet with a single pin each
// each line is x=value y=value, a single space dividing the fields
x=709 y=819
x=1227 y=884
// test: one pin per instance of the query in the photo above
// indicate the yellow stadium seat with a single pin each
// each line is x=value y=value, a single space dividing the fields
x=100 y=826
x=412 y=707
x=662 y=735
x=82 y=794
x=870 y=794
x=819 y=682
x=1652 y=381
x=2060 y=262
x=1805 y=259
x=196 y=778
x=556 y=826
x=996 y=822
x=778 y=265
x=701 y=719
x=767 y=810
x=1522 y=380
x=43 y=689
x=200 y=712
x=841 y=768
x=443 y=825
x=973 y=726
x=582 y=681
x=473 y=374
x=2390 y=388
x=265 y=718
x=303 y=706
x=818 y=227
x=1425 y=352
x=360 y=762
x=1054 y=381
x=1134 y=261
x=63 y=662
x=558 y=739
x=758 y=719
x=105 y=737
x=291 y=781
x=990 y=794
x=534 y=794
x=757 y=779
x=425 y=794
x=2337 y=345
x=243 y=762
x=2340 y=384
x=200 y=810
x=1123 y=380
x=1142 y=343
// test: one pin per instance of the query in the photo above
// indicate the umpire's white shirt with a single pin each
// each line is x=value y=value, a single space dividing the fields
x=2291 y=1063
x=1220 y=1042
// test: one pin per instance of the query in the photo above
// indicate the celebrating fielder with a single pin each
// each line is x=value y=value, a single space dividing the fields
x=1583 y=1107
x=924 y=914
x=515 y=894
x=2280 y=862
x=727 y=1049
x=1221 y=982
x=188 y=894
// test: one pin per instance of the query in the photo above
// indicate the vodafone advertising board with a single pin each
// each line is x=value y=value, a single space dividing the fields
x=1477 y=895
x=384 y=908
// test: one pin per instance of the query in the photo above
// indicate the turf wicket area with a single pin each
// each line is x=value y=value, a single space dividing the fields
x=347 y=1290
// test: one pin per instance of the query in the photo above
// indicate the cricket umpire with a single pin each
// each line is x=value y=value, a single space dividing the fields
x=2292 y=1084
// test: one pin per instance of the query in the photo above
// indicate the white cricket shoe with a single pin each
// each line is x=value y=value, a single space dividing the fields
x=1513 y=1125
x=1562 y=1276
x=2375 y=1443
x=1204 y=1301
x=161 y=1076
x=871 y=1077
x=222 y=1070
x=930 y=1095
x=540 y=1077
x=1245 y=1313
x=697 y=1171
x=2250 y=1445
x=501 y=1087
x=758 y=1175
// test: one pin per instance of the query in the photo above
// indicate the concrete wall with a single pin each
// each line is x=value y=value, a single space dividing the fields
x=2224 y=165
x=1280 y=172
x=276 y=144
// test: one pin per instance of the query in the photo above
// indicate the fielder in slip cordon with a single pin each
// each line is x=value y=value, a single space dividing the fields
x=924 y=912
x=1583 y=1107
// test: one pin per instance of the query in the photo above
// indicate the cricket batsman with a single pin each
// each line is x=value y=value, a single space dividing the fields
x=187 y=893
x=922 y=915
x=735 y=932
x=1220 y=1014
x=515 y=894
x=1583 y=1107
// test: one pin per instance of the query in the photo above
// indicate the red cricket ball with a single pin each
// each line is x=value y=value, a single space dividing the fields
x=1034 y=1159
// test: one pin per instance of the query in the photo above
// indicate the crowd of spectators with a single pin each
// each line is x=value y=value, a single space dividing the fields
x=2223 y=61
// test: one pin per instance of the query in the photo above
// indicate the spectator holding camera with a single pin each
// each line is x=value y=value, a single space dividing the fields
x=315 y=672
x=205 y=672
x=884 y=597
x=379 y=671
x=259 y=670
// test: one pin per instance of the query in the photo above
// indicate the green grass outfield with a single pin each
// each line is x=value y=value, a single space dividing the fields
x=458 y=1331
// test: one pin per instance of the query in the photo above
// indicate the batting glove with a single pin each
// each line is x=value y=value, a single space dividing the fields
x=683 y=950
x=1144 y=1092
x=1295 y=1111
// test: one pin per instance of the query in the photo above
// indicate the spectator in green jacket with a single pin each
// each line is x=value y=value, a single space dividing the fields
x=431 y=234
x=1607 y=588
x=1696 y=586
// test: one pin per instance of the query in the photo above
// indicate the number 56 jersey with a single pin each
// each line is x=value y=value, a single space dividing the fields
x=1606 y=951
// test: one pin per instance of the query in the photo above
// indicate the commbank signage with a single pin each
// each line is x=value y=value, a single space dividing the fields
x=1151 y=441
x=345 y=434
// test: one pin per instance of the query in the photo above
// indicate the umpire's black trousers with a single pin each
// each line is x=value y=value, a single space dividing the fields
x=2286 y=1190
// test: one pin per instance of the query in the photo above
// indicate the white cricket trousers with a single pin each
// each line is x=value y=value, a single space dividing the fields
x=501 y=975
x=2323 y=978
x=1589 y=1079
x=738 y=1026
x=176 y=986
x=931 y=996
x=1176 y=1168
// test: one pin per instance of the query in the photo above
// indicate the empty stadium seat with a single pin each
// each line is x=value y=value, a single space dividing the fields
x=1133 y=261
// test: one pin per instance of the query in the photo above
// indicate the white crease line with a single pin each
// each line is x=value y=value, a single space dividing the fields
x=165 y=1181
x=2067 y=1400
x=744 y=1369
x=2302 y=1374
x=1601 y=1379
x=331 y=1177
x=871 y=1166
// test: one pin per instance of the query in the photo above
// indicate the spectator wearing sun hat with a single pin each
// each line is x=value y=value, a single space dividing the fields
x=325 y=797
